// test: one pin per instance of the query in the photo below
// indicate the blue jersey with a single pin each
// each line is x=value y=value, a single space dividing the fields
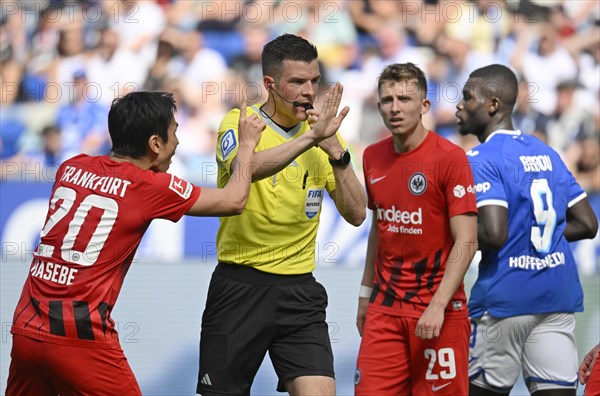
x=534 y=272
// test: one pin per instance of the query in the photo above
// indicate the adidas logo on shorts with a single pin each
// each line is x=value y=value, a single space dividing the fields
x=206 y=380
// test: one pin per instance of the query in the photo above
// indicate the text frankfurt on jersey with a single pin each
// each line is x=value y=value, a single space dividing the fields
x=401 y=218
x=536 y=263
x=86 y=179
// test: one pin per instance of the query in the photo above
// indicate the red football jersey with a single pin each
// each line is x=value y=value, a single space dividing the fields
x=414 y=195
x=97 y=215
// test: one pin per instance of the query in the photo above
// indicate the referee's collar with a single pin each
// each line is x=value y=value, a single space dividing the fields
x=273 y=125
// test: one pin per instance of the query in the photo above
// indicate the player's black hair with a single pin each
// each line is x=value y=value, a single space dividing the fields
x=403 y=72
x=135 y=117
x=286 y=47
x=498 y=81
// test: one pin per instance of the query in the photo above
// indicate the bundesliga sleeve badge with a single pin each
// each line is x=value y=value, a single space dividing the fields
x=228 y=143
x=180 y=187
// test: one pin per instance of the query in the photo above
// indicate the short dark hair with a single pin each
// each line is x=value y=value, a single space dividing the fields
x=286 y=47
x=135 y=117
x=403 y=72
x=499 y=81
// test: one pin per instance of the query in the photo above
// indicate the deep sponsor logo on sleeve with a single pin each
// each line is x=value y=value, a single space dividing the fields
x=483 y=187
x=459 y=191
x=228 y=143
x=181 y=187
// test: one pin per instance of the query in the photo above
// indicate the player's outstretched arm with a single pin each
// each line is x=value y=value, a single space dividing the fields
x=231 y=199
x=581 y=221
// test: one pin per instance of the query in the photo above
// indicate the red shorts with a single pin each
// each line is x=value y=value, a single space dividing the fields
x=592 y=385
x=42 y=368
x=392 y=360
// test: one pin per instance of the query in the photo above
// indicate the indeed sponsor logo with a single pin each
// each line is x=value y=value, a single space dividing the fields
x=400 y=216
x=404 y=230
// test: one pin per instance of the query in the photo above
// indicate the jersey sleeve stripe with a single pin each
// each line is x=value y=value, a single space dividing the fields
x=497 y=202
x=575 y=200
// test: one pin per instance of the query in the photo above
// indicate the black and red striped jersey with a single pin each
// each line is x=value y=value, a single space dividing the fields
x=97 y=215
x=413 y=196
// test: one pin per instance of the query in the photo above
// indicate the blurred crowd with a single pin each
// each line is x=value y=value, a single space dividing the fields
x=62 y=63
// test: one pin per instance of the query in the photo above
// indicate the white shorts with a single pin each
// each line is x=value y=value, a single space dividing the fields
x=542 y=346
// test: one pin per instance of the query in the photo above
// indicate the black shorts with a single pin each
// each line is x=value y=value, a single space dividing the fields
x=249 y=312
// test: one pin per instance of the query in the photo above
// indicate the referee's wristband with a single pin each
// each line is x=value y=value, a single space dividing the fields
x=365 y=291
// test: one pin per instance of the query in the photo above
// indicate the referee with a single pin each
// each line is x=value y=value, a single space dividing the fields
x=262 y=295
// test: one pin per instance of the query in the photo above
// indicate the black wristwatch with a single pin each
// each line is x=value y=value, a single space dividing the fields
x=343 y=161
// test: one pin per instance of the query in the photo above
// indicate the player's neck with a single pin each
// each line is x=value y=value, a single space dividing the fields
x=410 y=141
x=139 y=162
x=496 y=126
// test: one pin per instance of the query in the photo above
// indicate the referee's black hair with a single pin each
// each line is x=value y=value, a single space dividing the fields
x=286 y=47
x=135 y=117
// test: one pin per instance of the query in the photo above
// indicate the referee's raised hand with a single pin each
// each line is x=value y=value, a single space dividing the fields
x=329 y=120
x=249 y=127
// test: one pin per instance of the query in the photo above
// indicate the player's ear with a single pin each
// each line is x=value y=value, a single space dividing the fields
x=154 y=144
x=425 y=106
x=493 y=105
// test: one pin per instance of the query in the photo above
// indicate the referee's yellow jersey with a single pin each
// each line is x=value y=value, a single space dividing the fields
x=277 y=230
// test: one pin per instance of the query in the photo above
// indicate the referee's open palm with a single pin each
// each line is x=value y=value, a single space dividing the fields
x=329 y=119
